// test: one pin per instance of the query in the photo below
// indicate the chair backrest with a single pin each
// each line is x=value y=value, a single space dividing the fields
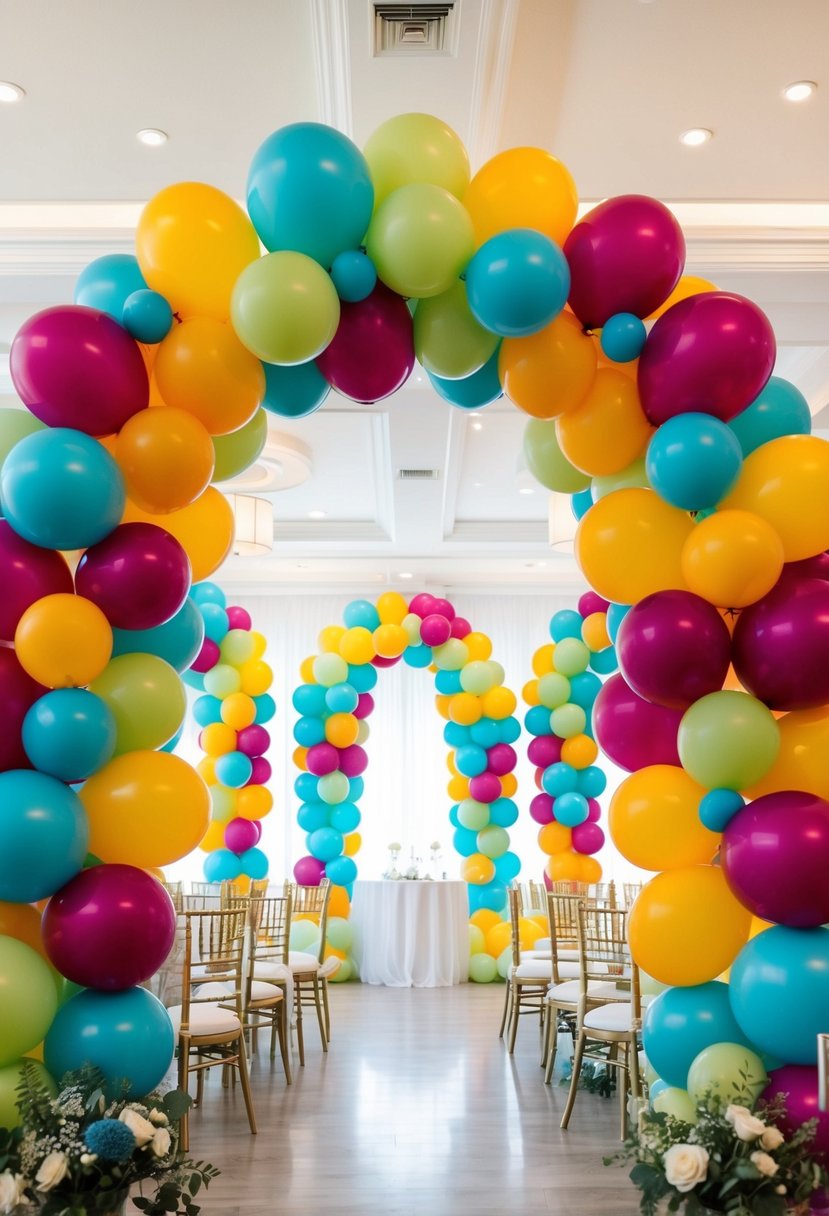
x=176 y=892
x=604 y=955
x=203 y=895
x=212 y=972
x=311 y=903
x=604 y=893
x=269 y=920
x=630 y=890
x=515 y=913
x=563 y=916
x=538 y=896
x=259 y=887
x=579 y=889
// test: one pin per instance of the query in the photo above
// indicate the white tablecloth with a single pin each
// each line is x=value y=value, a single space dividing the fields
x=411 y=934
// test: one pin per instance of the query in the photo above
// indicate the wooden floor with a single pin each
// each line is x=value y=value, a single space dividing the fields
x=417 y=1108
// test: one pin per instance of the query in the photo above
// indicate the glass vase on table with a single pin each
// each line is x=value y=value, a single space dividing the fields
x=394 y=852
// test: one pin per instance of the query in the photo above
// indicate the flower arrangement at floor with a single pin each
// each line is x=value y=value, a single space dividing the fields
x=731 y=1160
x=78 y=1153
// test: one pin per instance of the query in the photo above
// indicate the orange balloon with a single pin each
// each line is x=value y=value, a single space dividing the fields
x=63 y=641
x=688 y=285
x=306 y=670
x=23 y=922
x=555 y=838
x=442 y=701
x=549 y=372
x=458 y=789
x=564 y=867
x=732 y=558
x=485 y=918
x=330 y=638
x=390 y=640
x=654 y=820
x=522 y=188
x=166 y=457
x=509 y=785
x=257 y=677
x=204 y=529
x=594 y=631
x=608 y=429
x=253 y=802
x=338 y=903
x=214 y=837
x=497 y=936
x=589 y=869
x=299 y=756
x=580 y=751
x=477 y=869
x=217 y=739
x=341 y=729
x=392 y=608
x=203 y=368
x=206 y=768
x=801 y=761
x=498 y=703
x=543 y=659
x=529 y=693
x=465 y=708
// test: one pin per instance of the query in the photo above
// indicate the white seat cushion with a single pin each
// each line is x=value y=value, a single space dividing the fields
x=532 y=969
x=543 y=943
x=305 y=964
x=616 y=1016
x=597 y=991
x=271 y=971
x=260 y=990
x=207 y=1019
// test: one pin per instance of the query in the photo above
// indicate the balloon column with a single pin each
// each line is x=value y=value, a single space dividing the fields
x=561 y=698
x=335 y=701
x=232 y=713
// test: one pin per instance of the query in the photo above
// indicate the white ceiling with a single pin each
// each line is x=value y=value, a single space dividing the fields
x=607 y=85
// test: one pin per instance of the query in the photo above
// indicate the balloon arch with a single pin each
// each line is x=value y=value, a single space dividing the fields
x=335 y=702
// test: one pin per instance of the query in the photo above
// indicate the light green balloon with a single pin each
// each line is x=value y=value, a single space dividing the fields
x=330 y=669
x=571 y=657
x=416 y=148
x=223 y=802
x=553 y=690
x=146 y=697
x=477 y=677
x=339 y=933
x=728 y=740
x=451 y=656
x=547 y=462
x=16 y=425
x=222 y=680
x=477 y=941
x=333 y=788
x=344 y=972
x=493 y=841
x=650 y=987
x=496 y=671
x=482 y=968
x=411 y=623
x=363 y=731
x=448 y=340
x=473 y=814
x=631 y=478
x=237 y=646
x=504 y=962
x=237 y=451
x=10 y=1077
x=303 y=934
x=676 y=1102
x=729 y=1071
x=568 y=721
x=28 y=999
x=285 y=308
x=420 y=239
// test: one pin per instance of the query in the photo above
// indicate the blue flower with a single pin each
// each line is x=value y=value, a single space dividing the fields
x=110 y=1139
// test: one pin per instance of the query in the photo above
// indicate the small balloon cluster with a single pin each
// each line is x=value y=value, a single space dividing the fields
x=232 y=713
x=561 y=698
x=335 y=702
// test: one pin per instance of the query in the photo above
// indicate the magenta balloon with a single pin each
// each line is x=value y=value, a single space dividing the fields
x=545 y=750
x=444 y=608
x=257 y=824
x=309 y=872
x=435 y=630
x=207 y=658
x=240 y=835
x=365 y=705
x=708 y=354
x=673 y=648
x=138 y=576
x=594 y=811
x=111 y=927
x=587 y=838
x=27 y=573
x=632 y=732
x=775 y=858
x=372 y=352
x=626 y=255
x=501 y=759
x=590 y=602
x=380 y=661
x=541 y=808
x=322 y=758
x=809 y=567
x=781 y=645
x=486 y=787
x=238 y=618
x=460 y=627
x=253 y=740
x=799 y=1085
x=423 y=604
x=353 y=760
x=76 y=367
x=18 y=692
x=261 y=772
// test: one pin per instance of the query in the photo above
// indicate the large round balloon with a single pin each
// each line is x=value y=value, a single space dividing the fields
x=728 y=1071
x=295 y=391
x=416 y=148
x=27 y=572
x=111 y=927
x=633 y=732
x=107 y=282
x=449 y=342
x=204 y=529
x=682 y=1022
x=18 y=692
x=285 y=309
x=673 y=648
x=786 y=483
x=43 y=836
x=799 y=1087
x=420 y=240
x=28 y=999
x=138 y=576
x=546 y=461
x=146 y=698
x=69 y=734
x=732 y=558
x=693 y=461
x=76 y=367
x=236 y=452
x=801 y=761
x=607 y=431
x=522 y=188
x=127 y=1035
x=203 y=367
x=654 y=820
x=781 y=645
x=178 y=641
x=63 y=641
x=517 y=283
x=372 y=353
x=710 y=354
x=775 y=856
x=626 y=255
x=309 y=190
x=166 y=457
x=781 y=409
x=550 y=371
x=728 y=740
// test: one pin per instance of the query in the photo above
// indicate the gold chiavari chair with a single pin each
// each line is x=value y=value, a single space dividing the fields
x=629 y=892
x=205 y=891
x=259 y=888
x=176 y=892
x=527 y=979
x=309 y=972
x=269 y=925
x=608 y=1033
x=209 y=1022
x=538 y=896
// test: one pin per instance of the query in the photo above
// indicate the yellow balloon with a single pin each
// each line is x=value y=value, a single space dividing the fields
x=529 y=693
x=306 y=670
x=686 y=927
x=260 y=644
x=299 y=756
x=543 y=659
x=214 y=837
x=786 y=483
x=257 y=677
x=509 y=785
x=499 y=702
x=608 y=429
x=529 y=932
x=357 y=645
x=238 y=710
x=63 y=641
x=341 y=729
x=478 y=645
x=579 y=750
x=594 y=631
x=732 y=558
x=167 y=458
x=654 y=820
x=522 y=188
x=145 y=809
x=465 y=708
x=192 y=243
x=253 y=801
x=549 y=372
x=564 y=867
x=458 y=789
x=204 y=369
x=555 y=838
x=498 y=936
x=629 y=544
x=330 y=638
x=486 y=919
x=801 y=761
x=206 y=768
x=390 y=640
x=477 y=869
x=442 y=705
x=204 y=529
x=218 y=738
x=688 y=285
x=352 y=844
x=392 y=608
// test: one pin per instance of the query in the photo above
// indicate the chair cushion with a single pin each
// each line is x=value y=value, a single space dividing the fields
x=207 y=1019
x=532 y=969
x=260 y=990
x=597 y=991
x=615 y=1016
x=271 y=971
x=307 y=964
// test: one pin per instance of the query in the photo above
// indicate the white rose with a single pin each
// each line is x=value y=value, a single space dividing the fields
x=158 y=1117
x=161 y=1141
x=11 y=1192
x=53 y=1169
x=746 y=1125
x=772 y=1138
x=780 y=1190
x=685 y=1166
x=140 y=1127
x=767 y=1166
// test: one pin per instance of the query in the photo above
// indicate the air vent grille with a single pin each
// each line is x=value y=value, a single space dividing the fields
x=414 y=29
x=418 y=474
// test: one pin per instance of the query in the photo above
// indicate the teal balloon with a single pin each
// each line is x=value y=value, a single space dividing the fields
x=581 y=503
x=61 y=489
x=69 y=733
x=503 y=812
x=623 y=337
x=603 y=662
x=295 y=391
x=682 y=1022
x=465 y=841
x=341 y=871
x=265 y=708
x=472 y=392
x=108 y=282
x=309 y=189
x=233 y=769
x=507 y=867
x=470 y=760
x=571 y=809
x=216 y=622
x=207 y=710
x=312 y=816
x=208 y=593
x=354 y=275
x=44 y=835
x=193 y=679
x=362 y=677
x=718 y=807
x=517 y=282
x=325 y=844
x=254 y=863
x=147 y=316
x=172 y=744
x=310 y=700
x=177 y=641
x=781 y=409
x=127 y=1035
x=693 y=460
x=344 y=816
x=418 y=656
x=361 y=613
x=616 y=613
x=566 y=623
x=221 y=866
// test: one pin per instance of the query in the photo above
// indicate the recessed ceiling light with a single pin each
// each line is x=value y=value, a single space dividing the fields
x=526 y=490
x=799 y=90
x=477 y=426
x=477 y=485
x=152 y=137
x=405 y=574
x=317 y=514
x=474 y=414
x=694 y=136
x=11 y=92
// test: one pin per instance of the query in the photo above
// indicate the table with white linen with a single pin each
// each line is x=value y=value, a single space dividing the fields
x=411 y=934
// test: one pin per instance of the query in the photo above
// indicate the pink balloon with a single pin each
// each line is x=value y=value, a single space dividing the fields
x=809 y=567
x=460 y=627
x=138 y=576
x=207 y=657
x=541 y=808
x=372 y=352
x=631 y=731
x=709 y=354
x=257 y=823
x=587 y=838
x=501 y=759
x=590 y=602
x=781 y=645
x=238 y=618
x=626 y=255
x=260 y=772
x=322 y=758
x=799 y=1084
x=18 y=692
x=548 y=882
x=27 y=573
x=545 y=750
x=444 y=608
x=253 y=740
x=365 y=705
x=76 y=367
x=594 y=811
x=353 y=760
x=422 y=604
x=486 y=787
x=309 y=872
x=379 y=661
x=435 y=630
x=241 y=834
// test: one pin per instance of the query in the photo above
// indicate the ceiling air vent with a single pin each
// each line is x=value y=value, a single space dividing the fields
x=414 y=29
x=418 y=474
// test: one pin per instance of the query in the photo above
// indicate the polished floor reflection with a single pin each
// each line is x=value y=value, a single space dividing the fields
x=416 y=1108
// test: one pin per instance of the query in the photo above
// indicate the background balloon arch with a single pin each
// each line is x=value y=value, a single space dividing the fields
x=335 y=702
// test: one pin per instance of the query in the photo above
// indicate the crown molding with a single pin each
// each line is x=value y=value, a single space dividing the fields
x=332 y=66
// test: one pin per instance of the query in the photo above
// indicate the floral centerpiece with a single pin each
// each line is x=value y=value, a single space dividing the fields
x=730 y=1160
x=78 y=1153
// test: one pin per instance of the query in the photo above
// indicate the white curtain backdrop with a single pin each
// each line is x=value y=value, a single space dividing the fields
x=405 y=797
